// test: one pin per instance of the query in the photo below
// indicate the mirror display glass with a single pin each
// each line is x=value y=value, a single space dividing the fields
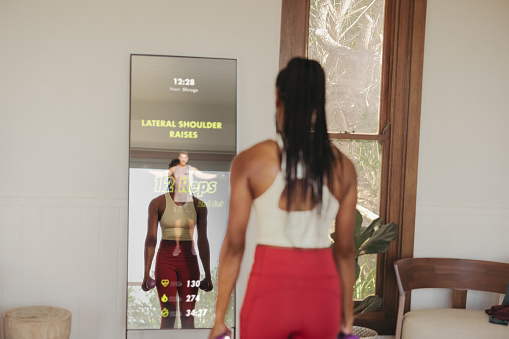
x=182 y=141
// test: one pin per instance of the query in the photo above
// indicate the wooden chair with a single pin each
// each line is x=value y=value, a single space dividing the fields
x=459 y=275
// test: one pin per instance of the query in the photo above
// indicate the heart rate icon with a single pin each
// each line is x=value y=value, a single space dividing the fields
x=164 y=312
x=165 y=282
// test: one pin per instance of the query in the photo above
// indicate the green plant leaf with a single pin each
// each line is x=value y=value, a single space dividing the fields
x=358 y=224
x=368 y=304
x=380 y=240
x=367 y=232
x=357 y=269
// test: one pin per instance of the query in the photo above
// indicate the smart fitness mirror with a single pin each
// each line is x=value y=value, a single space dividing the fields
x=182 y=109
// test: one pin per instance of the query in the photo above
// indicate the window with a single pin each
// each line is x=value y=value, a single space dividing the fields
x=346 y=37
x=383 y=127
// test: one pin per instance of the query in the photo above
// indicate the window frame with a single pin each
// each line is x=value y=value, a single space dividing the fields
x=400 y=107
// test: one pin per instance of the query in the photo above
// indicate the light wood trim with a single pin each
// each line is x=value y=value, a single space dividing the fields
x=294 y=30
x=401 y=95
x=413 y=126
x=355 y=136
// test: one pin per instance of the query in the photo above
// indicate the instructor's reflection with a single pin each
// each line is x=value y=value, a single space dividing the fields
x=177 y=273
x=180 y=173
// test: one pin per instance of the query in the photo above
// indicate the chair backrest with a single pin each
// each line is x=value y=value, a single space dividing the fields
x=414 y=273
x=459 y=275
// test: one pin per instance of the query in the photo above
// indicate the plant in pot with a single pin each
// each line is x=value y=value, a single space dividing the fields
x=374 y=238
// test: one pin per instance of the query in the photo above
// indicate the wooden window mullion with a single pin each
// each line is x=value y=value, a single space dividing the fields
x=355 y=136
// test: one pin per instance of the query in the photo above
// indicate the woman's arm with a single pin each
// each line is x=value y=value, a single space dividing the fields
x=151 y=238
x=232 y=249
x=203 y=241
x=344 y=247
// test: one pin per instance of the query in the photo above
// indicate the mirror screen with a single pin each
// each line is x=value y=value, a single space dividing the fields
x=182 y=141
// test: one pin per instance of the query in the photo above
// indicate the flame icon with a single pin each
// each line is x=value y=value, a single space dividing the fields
x=164 y=298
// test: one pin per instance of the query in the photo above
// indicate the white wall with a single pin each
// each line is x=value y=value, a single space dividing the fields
x=64 y=105
x=462 y=195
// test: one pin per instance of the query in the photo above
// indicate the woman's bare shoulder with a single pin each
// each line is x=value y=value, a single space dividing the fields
x=344 y=173
x=342 y=160
x=257 y=155
x=349 y=170
x=261 y=147
x=158 y=202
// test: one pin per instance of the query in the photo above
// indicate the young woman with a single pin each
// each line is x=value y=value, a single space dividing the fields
x=177 y=270
x=298 y=185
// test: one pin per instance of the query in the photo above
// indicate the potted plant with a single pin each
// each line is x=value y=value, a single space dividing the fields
x=372 y=239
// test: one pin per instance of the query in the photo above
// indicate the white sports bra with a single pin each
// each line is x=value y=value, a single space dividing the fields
x=301 y=229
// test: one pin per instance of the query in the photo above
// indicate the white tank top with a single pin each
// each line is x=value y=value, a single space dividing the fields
x=301 y=229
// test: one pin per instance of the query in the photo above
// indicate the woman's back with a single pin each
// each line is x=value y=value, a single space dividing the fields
x=298 y=186
x=303 y=225
x=263 y=163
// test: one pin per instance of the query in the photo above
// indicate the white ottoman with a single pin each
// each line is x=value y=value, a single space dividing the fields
x=37 y=322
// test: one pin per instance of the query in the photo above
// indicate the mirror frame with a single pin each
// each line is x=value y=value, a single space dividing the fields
x=163 y=156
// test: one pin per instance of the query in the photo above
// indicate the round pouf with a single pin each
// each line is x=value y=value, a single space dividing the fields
x=37 y=322
x=364 y=332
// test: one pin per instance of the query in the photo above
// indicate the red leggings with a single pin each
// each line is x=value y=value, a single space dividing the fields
x=176 y=275
x=292 y=293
